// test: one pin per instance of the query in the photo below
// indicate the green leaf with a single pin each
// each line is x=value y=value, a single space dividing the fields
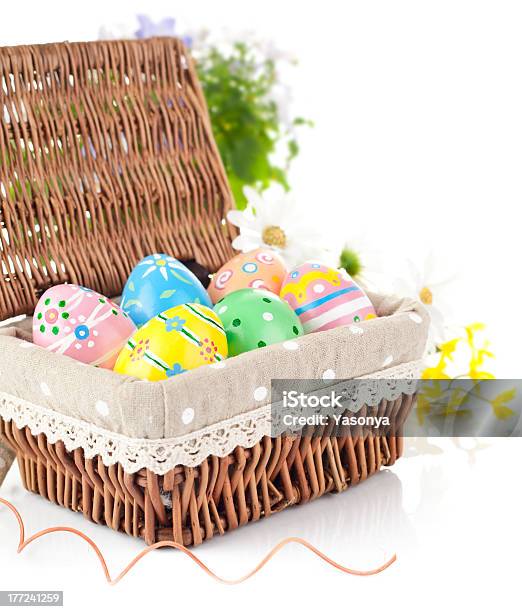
x=236 y=185
x=238 y=86
x=167 y=293
x=293 y=149
x=303 y=121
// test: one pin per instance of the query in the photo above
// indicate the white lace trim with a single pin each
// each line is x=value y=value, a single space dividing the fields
x=220 y=439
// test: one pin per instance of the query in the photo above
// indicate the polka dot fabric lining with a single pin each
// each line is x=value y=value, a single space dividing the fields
x=215 y=393
x=190 y=450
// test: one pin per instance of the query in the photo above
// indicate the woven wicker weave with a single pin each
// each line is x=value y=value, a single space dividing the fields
x=106 y=155
x=220 y=494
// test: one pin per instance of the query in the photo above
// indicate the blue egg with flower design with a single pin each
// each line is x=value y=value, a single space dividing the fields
x=159 y=282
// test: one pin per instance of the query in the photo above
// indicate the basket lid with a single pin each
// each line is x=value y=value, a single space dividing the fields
x=106 y=155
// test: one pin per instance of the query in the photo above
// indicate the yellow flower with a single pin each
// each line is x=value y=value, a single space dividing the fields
x=454 y=403
x=472 y=329
x=480 y=374
x=479 y=354
x=432 y=390
x=448 y=348
x=499 y=404
x=437 y=371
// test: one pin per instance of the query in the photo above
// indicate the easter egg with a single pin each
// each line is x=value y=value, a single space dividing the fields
x=324 y=298
x=159 y=282
x=179 y=339
x=80 y=323
x=259 y=269
x=254 y=318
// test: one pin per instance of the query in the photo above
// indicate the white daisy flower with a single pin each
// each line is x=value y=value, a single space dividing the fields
x=272 y=220
x=431 y=288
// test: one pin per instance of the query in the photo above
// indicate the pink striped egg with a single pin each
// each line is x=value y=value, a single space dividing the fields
x=324 y=298
x=80 y=323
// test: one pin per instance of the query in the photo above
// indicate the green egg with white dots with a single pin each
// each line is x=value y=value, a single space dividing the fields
x=255 y=318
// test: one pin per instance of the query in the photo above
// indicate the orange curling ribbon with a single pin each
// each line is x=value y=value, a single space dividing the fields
x=23 y=543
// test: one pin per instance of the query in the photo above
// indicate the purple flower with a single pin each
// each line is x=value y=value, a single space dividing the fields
x=164 y=27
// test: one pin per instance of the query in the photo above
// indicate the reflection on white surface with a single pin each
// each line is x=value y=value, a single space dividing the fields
x=367 y=521
x=365 y=524
x=441 y=514
x=418 y=446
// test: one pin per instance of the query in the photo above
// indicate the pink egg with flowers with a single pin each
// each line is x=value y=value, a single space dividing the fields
x=81 y=323
x=324 y=298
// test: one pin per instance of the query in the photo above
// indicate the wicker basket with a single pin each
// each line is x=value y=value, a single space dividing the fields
x=106 y=155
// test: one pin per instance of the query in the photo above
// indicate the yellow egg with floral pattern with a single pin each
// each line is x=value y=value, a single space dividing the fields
x=179 y=339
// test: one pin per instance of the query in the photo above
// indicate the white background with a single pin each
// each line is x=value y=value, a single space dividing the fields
x=451 y=518
x=418 y=136
x=417 y=107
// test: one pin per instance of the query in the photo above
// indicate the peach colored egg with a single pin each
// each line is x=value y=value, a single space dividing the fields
x=258 y=269
x=81 y=323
